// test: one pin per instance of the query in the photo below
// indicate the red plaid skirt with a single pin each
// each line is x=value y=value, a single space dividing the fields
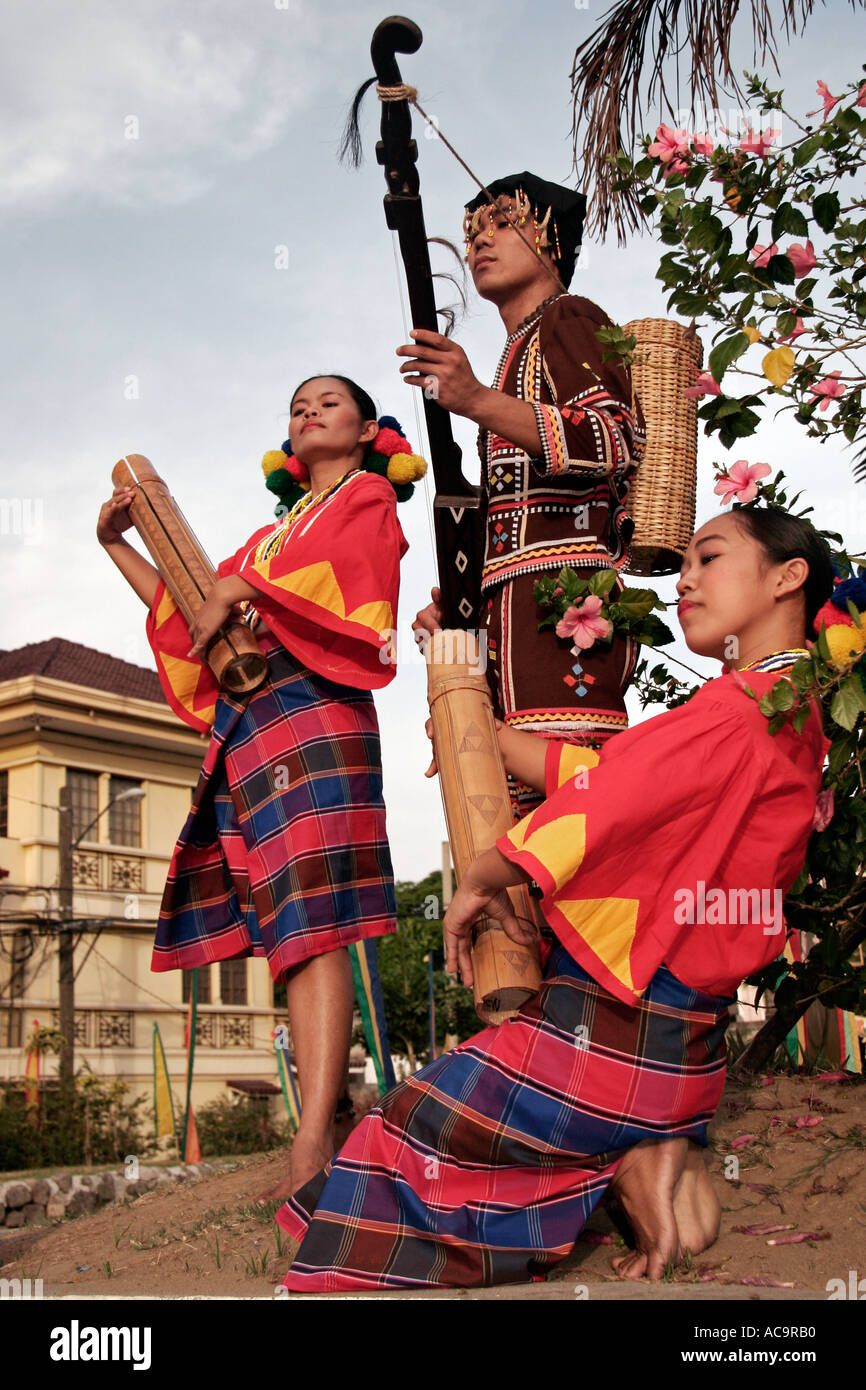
x=284 y=853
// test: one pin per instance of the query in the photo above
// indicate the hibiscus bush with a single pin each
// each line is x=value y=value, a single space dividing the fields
x=768 y=236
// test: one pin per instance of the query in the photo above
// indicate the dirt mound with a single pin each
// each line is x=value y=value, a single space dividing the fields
x=790 y=1153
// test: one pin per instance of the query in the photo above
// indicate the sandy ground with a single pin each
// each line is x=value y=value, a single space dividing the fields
x=802 y=1169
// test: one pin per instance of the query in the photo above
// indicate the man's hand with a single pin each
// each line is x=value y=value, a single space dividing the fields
x=429 y=619
x=442 y=368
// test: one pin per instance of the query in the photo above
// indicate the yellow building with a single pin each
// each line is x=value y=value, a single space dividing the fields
x=73 y=716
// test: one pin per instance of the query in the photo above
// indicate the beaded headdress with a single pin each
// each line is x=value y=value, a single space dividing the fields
x=556 y=215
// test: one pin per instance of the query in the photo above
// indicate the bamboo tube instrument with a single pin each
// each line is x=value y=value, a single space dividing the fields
x=477 y=811
x=234 y=655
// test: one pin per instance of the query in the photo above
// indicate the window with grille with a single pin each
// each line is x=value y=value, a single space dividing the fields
x=4 y=804
x=203 y=985
x=124 y=817
x=84 y=800
x=233 y=981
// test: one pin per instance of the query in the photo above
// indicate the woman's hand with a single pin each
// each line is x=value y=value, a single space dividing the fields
x=467 y=905
x=434 y=766
x=114 y=516
x=210 y=618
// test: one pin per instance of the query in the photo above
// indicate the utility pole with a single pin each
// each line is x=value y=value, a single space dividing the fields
x=66 y=944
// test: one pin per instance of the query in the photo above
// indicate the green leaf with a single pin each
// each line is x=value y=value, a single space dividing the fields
x=808 y=149
x=602 y=582
x=782 y=695
x=765 y=705
x=727 y=352
x=825 y=210
x=800 y=718
x=785 y=324
x=841 y=751
x=776 y=723
x=781 y=270
x=787 y=218
x=848 y=702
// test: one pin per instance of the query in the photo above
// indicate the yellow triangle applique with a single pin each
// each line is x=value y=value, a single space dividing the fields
x=559 y=846
x=318 y=584
x=608 y=926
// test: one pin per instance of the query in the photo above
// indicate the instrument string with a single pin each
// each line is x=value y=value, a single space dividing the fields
x=404 y=92
x=420 y=434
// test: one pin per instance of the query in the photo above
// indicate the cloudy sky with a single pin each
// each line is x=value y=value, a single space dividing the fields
x=153 y=159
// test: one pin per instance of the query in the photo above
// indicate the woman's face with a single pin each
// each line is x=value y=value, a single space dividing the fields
x=325 y=422
x=728 y=587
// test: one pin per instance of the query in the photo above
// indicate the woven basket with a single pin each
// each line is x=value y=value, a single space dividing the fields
x=662 y=496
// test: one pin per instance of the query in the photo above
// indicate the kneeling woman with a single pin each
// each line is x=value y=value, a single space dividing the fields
x=284 y=853
x=483 y=1167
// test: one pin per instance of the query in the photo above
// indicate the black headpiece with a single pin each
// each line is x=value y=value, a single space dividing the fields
x=557 y=212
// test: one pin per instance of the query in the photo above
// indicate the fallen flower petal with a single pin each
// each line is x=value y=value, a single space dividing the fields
x=595 y=1238
x=800 y=1238
x=742 y=1139
x=759 y=1281
x=832 y=1078
x=807 y=1121
x=767 y=1228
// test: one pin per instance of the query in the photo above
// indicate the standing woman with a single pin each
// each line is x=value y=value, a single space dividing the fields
x=284 y=852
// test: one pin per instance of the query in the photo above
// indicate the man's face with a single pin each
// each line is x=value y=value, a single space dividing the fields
x=500 y=262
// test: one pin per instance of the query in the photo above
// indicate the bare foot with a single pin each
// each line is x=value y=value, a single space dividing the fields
x=307 y=1158
x=697 y=1209
x=644 y=1185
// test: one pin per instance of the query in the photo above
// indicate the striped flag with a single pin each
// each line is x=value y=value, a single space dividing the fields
x=288 y=1086
x=31 y=1080
x=368 y=992
x=163 y=1110
x=190 y=1145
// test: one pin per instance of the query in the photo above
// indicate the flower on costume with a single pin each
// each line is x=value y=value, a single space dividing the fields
x=764 y=254
x=741 y=481
x=802 y=258
x=759 y=144
x=584 y=624
x=828 y=99
x=669 y=144
x=705 y=385
x=830 y=388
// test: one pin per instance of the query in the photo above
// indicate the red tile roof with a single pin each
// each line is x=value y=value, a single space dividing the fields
x=80 y=665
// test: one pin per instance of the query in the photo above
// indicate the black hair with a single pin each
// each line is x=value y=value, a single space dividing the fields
x=364 y=402
x=785 y=537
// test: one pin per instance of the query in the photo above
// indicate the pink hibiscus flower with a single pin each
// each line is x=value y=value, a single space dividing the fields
x=741 y=481
x=830 y=388
x=828 y=99
x=799 y=327
x=764 y=254
x=802 y=258
x=758 y=144
x=861 y=96
x=824 y=808
x=583 y=624
x=676 y=166
x=705 y=385
x=704 y=145
x=668 y=144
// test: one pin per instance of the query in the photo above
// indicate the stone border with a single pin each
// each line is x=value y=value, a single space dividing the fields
x=36 y=1201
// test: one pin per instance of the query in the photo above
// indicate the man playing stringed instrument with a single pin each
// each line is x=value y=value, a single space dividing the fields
x=560 y=438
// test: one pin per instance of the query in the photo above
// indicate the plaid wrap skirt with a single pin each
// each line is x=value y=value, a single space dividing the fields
x=484 y=1166
x=284 y=853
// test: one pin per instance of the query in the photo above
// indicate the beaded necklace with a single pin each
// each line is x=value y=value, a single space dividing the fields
x=776 y=661
x=272 y=544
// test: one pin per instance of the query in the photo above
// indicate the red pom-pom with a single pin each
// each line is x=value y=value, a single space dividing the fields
x=832 y=616
x=299 y=471
x=389 y=442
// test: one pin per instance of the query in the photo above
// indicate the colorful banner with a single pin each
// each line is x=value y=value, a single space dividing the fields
x=288 y=1086
x=31 y=1080
x=190 y=1146
x=429 y=960
x=163 y=1109
x=368 y=991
